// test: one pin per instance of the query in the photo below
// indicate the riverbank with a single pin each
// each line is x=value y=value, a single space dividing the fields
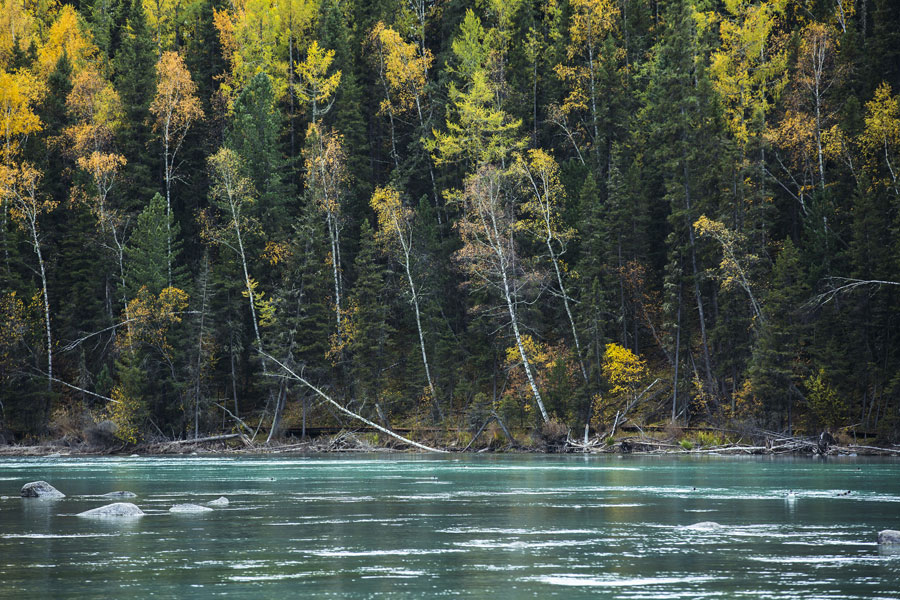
x=348 y=441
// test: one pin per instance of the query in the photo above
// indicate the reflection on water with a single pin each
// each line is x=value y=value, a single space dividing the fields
x=472 y=527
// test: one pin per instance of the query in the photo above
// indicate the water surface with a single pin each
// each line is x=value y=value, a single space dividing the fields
x=468 y=527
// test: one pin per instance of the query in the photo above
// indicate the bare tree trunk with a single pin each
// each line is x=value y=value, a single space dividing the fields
x=525 y=363
x=37 y=250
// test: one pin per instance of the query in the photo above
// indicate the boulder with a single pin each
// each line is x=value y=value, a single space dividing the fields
x=704 y=526
x=189 y=508
x=115 y=510
x=121 y=494
x=889 y=537
x=220 y=501
x=40 y=489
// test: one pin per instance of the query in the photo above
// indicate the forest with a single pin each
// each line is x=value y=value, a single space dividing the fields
x=562 y=214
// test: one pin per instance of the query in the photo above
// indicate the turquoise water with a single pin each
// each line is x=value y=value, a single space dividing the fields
x=470 y=527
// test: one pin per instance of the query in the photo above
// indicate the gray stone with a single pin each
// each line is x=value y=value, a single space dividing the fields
x=220 y=501
x=119 y=495
x=889 y=537
x=189 y=508
x=115 y=510
x=704 y=526
x=40 y=489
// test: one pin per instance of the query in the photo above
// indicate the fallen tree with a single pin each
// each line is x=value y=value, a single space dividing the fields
x=292 y=375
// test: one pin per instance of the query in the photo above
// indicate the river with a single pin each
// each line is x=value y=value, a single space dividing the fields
x=426 y=526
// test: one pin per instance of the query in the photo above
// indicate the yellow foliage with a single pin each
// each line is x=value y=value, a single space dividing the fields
x=326 y=168
x=19 y=187
x=16 y=28
x=175 y=105
x=881 y=138
x=265 y=307
x=276 y=252
x=623 y=369
x=480 y=133
x=20 y=92
x=545 y=195
x=67 y=36
x=405 y=67
x=257 y=37
x=126 y=412
x=749 y=70
x=393 y=218
x=316 y=85
x=152 y=316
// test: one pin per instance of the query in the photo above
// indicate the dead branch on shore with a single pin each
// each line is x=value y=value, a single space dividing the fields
x=340 y=408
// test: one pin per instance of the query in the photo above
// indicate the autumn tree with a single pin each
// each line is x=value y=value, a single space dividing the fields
x=489 y=254
x=881 y=138
x=20 y=188
x=97 y=112
x=478 y=130
x=591 y=22
x=316 y=86
x=395 y=235
x=327 y=178
x=175 y=108
x=542 y=219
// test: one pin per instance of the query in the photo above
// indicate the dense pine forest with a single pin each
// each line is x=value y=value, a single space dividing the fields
x=560 y=213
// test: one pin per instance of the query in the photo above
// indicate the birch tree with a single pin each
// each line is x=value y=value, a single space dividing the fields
x=326 y=175
x=175 y=108
x=97 y=110
x=395 y=234
x=20 y=190
x=489 y=253
x=542 y=220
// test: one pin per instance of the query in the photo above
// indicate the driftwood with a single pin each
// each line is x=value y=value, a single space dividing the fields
x=212 y=438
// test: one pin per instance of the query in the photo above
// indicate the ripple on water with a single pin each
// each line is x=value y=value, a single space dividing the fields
x=568 y=580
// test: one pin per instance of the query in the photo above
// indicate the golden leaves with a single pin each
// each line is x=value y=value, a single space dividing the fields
x=265 y=307
x=316 y=85
x=152 y=316
x=19 y=187
x=749 y=70
x=623 y=369
x=393 y=218
x=405 y=68
x=19 y=94
x=882 y=131
x=175 y=105
x=326 y=168
x=67 y=37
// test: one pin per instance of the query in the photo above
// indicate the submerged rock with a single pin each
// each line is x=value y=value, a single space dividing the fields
x=220 y=501
x=40 y=489
x=189 y=508
x=121 y=494
x=889 y=537
x=704 y=526
x=115 y=510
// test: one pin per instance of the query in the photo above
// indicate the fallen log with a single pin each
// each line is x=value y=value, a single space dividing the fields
x=212 y=438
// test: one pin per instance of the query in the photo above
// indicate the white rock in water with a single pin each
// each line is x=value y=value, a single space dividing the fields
x=189 y=508
x=119 y=495
x=115 y=510
x=220 y=501
x=704 y=526
x=40 y=489
x=889 y=537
